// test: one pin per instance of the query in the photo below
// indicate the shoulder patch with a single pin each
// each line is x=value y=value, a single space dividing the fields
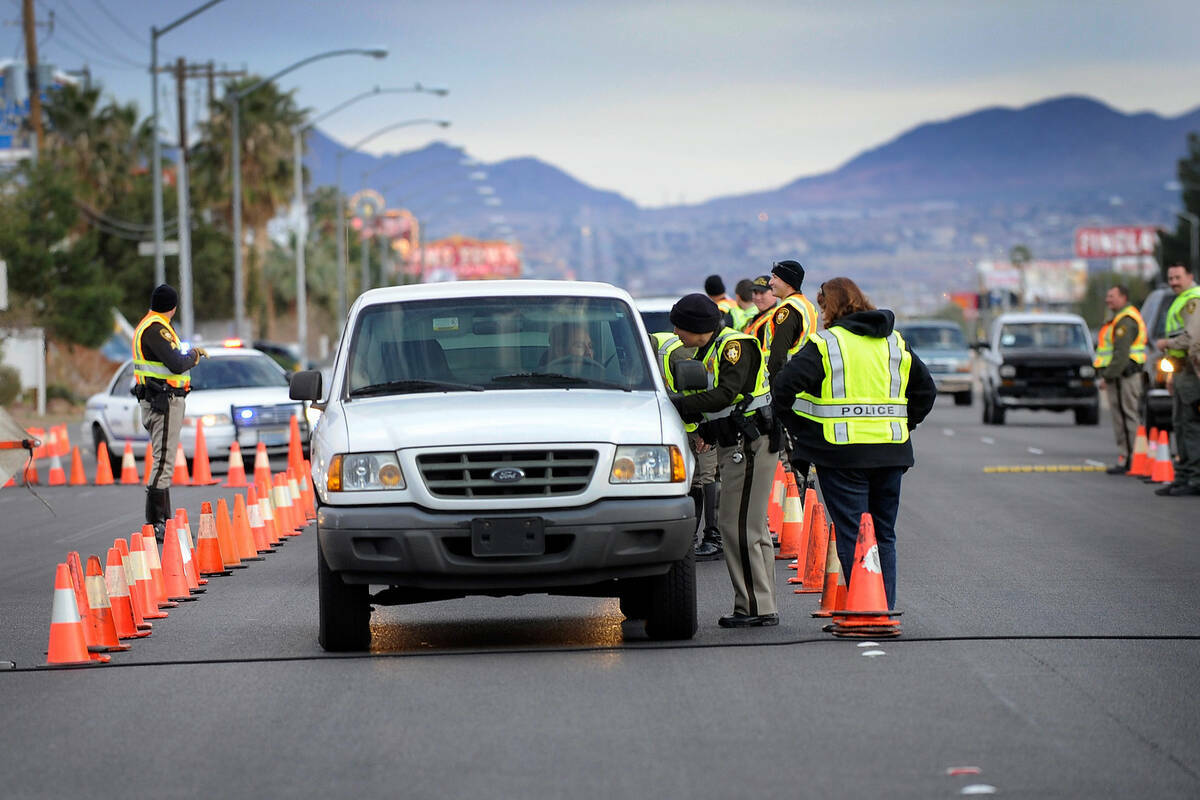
x=781 y=314
x=163 y=333
x=733 y=352
x=1190 y=308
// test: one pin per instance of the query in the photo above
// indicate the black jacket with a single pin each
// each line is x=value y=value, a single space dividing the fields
x=157 y=346
x=805 y=372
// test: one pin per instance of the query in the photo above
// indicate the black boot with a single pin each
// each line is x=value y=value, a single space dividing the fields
x=154 y=511
x=710 y=547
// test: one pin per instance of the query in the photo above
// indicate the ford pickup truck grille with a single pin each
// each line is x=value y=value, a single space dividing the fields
x=493 y=473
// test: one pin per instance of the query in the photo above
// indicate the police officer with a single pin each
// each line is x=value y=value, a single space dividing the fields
x=1181 y=346
x=714 y=287
x=794 y=321
x=670 y=350
x=1120 y=354
x=849 y=400
x=161 y=382
x=728 y=411
x=744 y=310
x=764 y=305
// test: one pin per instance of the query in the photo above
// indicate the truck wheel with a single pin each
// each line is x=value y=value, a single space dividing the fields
x=345 y=611
x=634 y=599
x=963 y=398
x=672 y=609
x=1087 y=416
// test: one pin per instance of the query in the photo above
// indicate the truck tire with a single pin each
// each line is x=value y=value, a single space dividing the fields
x=1087 y=416
x=672 y=608
x=344 y=609
x=634 y=599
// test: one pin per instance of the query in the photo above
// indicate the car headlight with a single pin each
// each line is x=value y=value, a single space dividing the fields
x=1165 y=365
x=1008 y=371
x=208 y=420
x=648 y=464
x=1087 y=371
x=364 y=472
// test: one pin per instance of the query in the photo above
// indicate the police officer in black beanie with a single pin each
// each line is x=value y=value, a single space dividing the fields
x=729 y=416
x=160 y=366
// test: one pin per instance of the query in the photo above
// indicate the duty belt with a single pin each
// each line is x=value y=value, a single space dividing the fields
x=762 y=401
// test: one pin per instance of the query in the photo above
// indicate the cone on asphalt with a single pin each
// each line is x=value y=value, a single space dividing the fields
x=866 y=614
x=1163 y=469
x=104 y=476
x=238 y=532
x=299 y=516
x=235 y=478
x=183 y=531
x=175 y=576
x=30 y=476
x=68 y=644
x=101 y=617
x=793 y=521
x=136 y=600
x=201 y=472
x=58 y=476
x=306 y=488
x=119 y=598
x=180 y=476
x=148 y=461
x=815 y=561
x=283 y=506
x=231 y=558
x=79 y=586
x=295 y=448
x=129 y=473
x=144 y=578
x=254 y=520
x=267 y=510
x=78 y=476
x=775 y=503
x=833 y=593
x=208 y=546
x=1139 y=464
x=262 y=465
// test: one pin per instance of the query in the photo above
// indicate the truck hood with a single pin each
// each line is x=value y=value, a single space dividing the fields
x=530 y=416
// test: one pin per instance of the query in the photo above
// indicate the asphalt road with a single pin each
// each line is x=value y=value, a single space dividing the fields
x=1050 y=649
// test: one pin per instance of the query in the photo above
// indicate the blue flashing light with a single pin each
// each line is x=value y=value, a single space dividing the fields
x=246 y=413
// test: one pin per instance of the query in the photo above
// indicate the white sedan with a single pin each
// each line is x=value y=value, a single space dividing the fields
x=236 y=392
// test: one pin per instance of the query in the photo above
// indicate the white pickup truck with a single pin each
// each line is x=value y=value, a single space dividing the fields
x=499 y=438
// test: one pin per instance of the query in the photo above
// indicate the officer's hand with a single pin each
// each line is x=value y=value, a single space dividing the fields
x=201 y=353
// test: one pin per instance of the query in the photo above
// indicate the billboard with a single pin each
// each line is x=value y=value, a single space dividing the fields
x=464 y=259
x=1044 y=281
x=1116 y=241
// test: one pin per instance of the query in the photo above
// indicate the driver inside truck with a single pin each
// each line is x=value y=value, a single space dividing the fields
x=569 y=340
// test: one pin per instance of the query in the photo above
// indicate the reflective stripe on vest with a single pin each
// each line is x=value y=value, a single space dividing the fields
x=1105 y=344
x=862 y=413
x=144 y=368
x=666 y=344
x=1175 y=322
x=759 y=398
x=800 y=305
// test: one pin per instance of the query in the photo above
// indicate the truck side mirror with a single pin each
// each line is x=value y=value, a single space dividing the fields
x=689 y=375
x=305 y=385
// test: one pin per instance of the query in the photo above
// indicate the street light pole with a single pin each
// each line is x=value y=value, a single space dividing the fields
x=160 y=268
x=235 y=98
x=301 y=209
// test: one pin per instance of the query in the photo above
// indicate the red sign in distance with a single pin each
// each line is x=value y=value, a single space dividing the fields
x=1116 y=241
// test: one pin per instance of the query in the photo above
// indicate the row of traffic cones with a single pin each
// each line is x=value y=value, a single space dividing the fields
x=1151 y=459
x=94 y=609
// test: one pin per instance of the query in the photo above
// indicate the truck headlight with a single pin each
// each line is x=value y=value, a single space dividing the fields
x=1087 y=371
x=648 y=464
x=1008 y=371
x=364 y=472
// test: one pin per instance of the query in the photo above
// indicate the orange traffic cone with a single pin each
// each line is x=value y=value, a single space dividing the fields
x=201 y=472
x=866 y=614
x=154 y=563
x=310 y=500
x=1139 y=465
x=208 y=547
x=101 y=621
x=104 y=476
x=58 y=476
x=183 y=530
x=793 y=521
x=226 y=544
x=79 y=585
x=175 y=577
x=262 y=465
x=775 y=503
x=283 y=506
x=129 y=474
x=235 y=478
x=52 y=446
x=30 y=478
x=78 y=477
x=1163 y=469
x=144 y=578
x=180 y=477
x=119 y=599
x=267 y=511
x=239 y=534
x=258 y=530
x=816 y=559
x=136 y=600
x=68 y=644
x=295 y=449
x=148 y=461
x=833 y=594
x=298 y=514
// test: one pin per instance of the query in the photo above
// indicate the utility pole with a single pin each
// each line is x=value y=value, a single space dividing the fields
x=31 y=72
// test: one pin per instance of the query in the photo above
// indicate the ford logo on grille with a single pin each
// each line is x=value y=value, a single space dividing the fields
x=508 y=475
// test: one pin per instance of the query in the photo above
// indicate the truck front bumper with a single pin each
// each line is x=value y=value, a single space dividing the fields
x=406 y=546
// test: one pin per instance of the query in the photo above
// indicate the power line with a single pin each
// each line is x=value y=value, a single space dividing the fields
x=116 y=21
x=107 y=47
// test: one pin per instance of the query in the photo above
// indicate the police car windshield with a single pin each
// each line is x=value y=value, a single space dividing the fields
x=934 y=337
x=1043 y=336
x=499 y=343
x=236 y=372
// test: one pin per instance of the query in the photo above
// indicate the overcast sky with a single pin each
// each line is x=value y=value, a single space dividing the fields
x=660 y=101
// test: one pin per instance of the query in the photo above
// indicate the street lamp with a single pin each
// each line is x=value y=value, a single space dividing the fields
x=235 y=98
x=301 y=209
x=341 y=211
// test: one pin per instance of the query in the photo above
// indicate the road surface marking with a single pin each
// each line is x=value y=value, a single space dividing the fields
x=988 y=440
x=1036 y=451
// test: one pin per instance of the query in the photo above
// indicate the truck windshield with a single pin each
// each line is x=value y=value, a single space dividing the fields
x=1043 y=336
x=934 y=337
x=523 y=342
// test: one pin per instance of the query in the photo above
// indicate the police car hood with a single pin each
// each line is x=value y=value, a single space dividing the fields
x=878 y=323
x=395 y=422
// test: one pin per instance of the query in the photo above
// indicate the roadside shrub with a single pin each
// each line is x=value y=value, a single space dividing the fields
x=10 y=385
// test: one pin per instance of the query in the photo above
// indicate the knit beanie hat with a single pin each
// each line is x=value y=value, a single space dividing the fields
x=713 y=285
x=790 y=272
x=163 y=298
x=696 y=313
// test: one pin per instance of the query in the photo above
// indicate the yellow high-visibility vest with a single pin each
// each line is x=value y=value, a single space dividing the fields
x=665 y=344
x=144 y=368
x=1104 y=343
x=1175 y=323
x=799 y=304
x=760 y=397
x=863 y=397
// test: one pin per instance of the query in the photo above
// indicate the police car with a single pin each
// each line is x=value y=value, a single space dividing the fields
x=237 y=392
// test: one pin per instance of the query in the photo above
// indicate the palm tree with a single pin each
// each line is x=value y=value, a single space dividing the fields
x=267 y=119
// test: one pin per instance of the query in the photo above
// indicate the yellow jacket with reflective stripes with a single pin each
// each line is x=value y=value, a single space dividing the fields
x=144 y=368
x=1104 y=342
x=664 y=345
x=800 y=305
x=760 y=397
x=1176 y=324
x=863 y=397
